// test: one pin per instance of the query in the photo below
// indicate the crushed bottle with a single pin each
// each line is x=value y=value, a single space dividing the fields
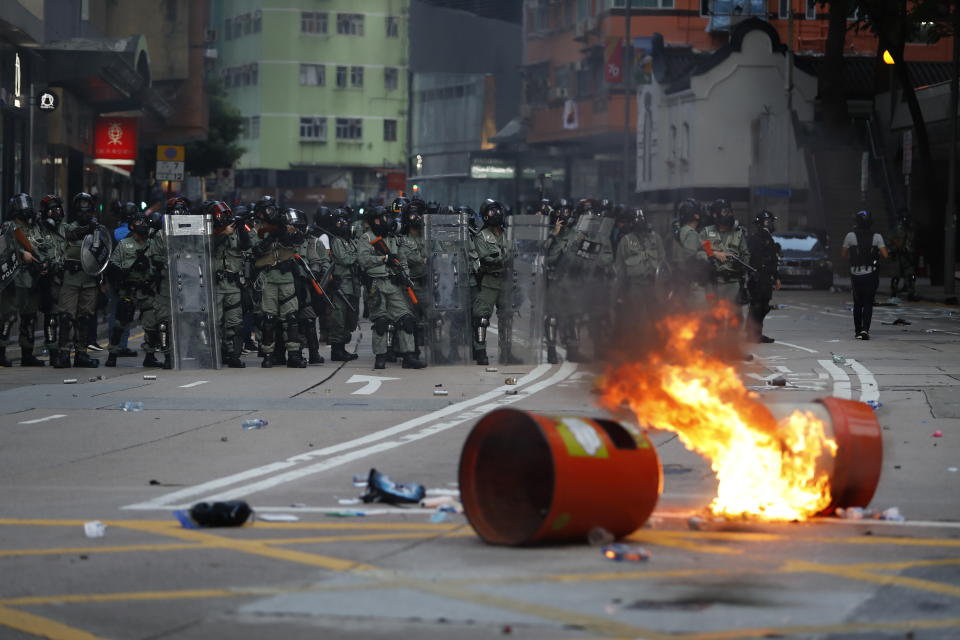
x=625 y=553
x=131 y=406
x=838 y=359
x=874 y=404
x=254 y=423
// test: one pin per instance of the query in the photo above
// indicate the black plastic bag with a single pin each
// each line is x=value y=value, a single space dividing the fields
x=221 y=514
x=380 y=488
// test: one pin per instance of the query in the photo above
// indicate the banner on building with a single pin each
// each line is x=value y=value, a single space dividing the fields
x=613 y=60
x=115 y=143
x=571 y=115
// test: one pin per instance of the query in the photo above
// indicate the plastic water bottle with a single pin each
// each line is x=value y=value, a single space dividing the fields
x=255 y=423
x=131 y=406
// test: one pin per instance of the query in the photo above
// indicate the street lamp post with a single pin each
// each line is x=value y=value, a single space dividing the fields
x=627 y=96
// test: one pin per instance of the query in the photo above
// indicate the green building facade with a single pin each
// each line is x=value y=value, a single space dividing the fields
x=322 y=86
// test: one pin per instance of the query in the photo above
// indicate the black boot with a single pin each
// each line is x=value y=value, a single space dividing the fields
x=267 y=362
x=480 y=356
x=167 y=361
x=231 y=353
x=63 y=360
x=339 y=353
x=27 y=359
x=53 y=355
x=552 y=355
x=150 y=361
x=115 y=337
x=295 y=360
x=390 y=356
x=81 y=359
x=111 y=360
x=410 y=361
x=380 y=361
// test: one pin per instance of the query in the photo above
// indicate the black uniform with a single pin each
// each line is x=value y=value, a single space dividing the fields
x=765 y=258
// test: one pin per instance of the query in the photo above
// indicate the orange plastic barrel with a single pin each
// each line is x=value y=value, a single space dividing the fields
x=529 y=478
x=855 y=471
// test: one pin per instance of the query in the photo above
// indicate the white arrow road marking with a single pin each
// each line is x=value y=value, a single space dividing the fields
x=796 y=346
x=167 y=501
x=194 y=384
x=869 y=390
x=372 y=384
x=53 y=417
x=841 y=381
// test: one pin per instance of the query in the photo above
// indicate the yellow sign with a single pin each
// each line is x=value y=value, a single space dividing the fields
x=170 y=153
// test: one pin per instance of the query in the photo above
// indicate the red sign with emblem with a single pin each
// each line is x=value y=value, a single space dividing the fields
x=115 y=139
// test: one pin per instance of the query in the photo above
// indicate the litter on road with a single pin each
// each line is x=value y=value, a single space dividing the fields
x=380 y=488
x=233 y=513
x=625 y=553
x=131 y=406
x=278 y=517
x=94 y=529
x=149 y=377
x=937 y=434
x=70 y=381
x=345 y=514
x=256 y=423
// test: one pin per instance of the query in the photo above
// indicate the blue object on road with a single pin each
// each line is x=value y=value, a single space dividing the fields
x=256 y=423
x=380 y=488
x=619 y=552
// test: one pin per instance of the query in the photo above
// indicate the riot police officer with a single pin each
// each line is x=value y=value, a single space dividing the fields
x=560 y=323
x=638 y=257
x=279 y=241
x=491 y=254
x=51 y=217
x=728 y=244
x=231 y=243
x=344 y=285
x=413 y=248
x=130 y=272
x=78 y=295
x=904 y=255
x=690 y=260
x=309 y=268
x=391 y=292
x=765 y=278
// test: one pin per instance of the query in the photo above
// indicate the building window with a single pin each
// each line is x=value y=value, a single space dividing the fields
x=228 y=29
x=389 y=130
x=257 y=21
x=314 y=129
x=674 y=143
x=391 y=78
x=247 y=23
x=349 y=129
x=341 y=77
x=313 y=75
x=237 y=27
x=393 y=27
x=350 y=24
x=356 y=76
x=244 y=127
x=783 y=10
x=254 y=73
x=811 y=13
x=255 y=127
x=313 y=22
x=644 y=4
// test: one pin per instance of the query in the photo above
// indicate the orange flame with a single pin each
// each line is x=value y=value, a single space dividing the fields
x=765 y=469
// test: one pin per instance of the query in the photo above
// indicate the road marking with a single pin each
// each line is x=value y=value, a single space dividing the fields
x=164 y=502
x=56 y=416
x=869 y=390
x=809 y=631
x=193 y=384
x=796 y=346
x=841 y=381
x=330 y=463
x=41 y=627
x=798 y=566
x=372 y=384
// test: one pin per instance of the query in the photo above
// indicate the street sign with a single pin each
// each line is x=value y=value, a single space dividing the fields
x=47 y=101
x=170 y=161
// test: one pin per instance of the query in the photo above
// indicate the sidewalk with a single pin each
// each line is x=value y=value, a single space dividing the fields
x=926 y=292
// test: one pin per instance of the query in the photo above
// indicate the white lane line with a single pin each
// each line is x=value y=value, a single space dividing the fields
x=841 y=381
x=56 y=416
x=796 y=346
x=165 y=500
x=194 y=384
x=476 y=412
x=869 y=389
x=835 y=315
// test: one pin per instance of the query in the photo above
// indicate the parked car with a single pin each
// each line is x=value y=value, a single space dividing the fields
x=804 y=259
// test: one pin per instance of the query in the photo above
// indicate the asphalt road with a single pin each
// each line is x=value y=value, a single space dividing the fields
x=68 y=455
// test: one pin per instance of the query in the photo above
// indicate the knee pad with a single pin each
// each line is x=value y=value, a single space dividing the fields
x=126 y=308
x=51 y=328
x=381 y=325
x=408 y=323
x=480 y=326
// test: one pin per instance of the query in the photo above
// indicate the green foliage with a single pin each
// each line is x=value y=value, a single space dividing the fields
x=220 y=150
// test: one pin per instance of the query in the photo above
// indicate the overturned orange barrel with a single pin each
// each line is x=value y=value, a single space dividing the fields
x=855 y=471
x=529 y=478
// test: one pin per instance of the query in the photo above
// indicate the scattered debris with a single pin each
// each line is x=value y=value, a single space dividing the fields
x=94 y=529
x=894 y=300
x=345 y=514
x=625 y=553
x=131 y=406
x=149 y=377
x=898 y=321
x=439 y=516
x=380 y=488
x=779 y=382
x=70 y=381
x=600 y=537
x=891 y=514
x=232 y=513
x=254 y=423
x=696 y=523
x=441 y=392
x=937 y=434
x=348 y=501
x=952 y=469
x=512 y=392
x=874 y=404
x=838 y=358
x=278 y=517
x=834 y=340
x=850 y=513
x=510 y=381
x=436 y=501
x=223 y=438
x=492 y=369
x=359 y=481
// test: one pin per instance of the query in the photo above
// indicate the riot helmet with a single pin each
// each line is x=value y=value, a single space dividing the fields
x=473 y=220
x=128 y=210
x=324 y=219
x=722 y=213
x=295 y=218
x=178 y=205
x=266 y=210
x=219 y=212
x=139 y=224
x=341 y=225
x=689 y=210
x=863 y=220
x=380 y=220
x=82 y=208
x=412 y=217
x=584 y=207
x=156 y=220
x=51 y=210
x=21 y=206
x=399 y=205
x=491 y=213
x=765 y=220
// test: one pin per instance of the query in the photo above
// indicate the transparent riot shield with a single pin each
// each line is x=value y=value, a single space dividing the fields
x=527 y=234
x=193 y=327
x=447 y=308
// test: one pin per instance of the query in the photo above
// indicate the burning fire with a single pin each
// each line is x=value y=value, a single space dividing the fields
x=765 y=470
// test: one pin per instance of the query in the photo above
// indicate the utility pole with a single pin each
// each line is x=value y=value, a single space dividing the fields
x=627 y=97
x=950 y=219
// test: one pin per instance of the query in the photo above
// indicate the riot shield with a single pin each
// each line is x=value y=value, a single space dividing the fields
x=447 y=309
x=194 y=339
x=95 y=251
x=9 y=263
x=527 y=234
